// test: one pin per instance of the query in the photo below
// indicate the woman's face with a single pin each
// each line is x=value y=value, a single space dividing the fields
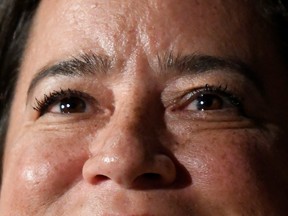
x=147 y=108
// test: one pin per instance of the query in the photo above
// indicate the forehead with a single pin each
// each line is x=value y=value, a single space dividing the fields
x=118 y=28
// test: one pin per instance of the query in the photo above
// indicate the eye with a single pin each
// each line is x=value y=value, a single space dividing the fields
x=64 y=102
x=206 y=102
x=69 y=105
x=208 y=99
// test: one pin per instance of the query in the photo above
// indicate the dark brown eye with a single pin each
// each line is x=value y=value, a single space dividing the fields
x=208 y=98
x=69 y=105
x=65 y=102
x=208 y=102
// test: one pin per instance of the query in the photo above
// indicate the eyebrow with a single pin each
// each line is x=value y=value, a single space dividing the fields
x=196 y=63
x=84 y=64
x=91 y=63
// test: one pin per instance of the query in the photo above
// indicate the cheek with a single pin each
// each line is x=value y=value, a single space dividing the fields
x=43 y=168
x=222 y=165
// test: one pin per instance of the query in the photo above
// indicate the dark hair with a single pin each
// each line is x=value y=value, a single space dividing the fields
x=15 y=21
x=16 y=18
x=275 y=12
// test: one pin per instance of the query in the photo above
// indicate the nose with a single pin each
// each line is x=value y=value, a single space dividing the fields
x=130 y=162
x=129 y=153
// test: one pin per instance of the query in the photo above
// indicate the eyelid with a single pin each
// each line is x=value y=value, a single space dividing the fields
x=181 y=101
x=55 y=96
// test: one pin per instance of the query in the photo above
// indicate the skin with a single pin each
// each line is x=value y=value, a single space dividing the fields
x=140 y=150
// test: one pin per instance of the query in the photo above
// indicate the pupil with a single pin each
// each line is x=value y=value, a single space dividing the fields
x=72 y=105
x=209 y=102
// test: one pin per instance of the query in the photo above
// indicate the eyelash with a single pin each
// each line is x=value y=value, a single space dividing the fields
x=217 y=90
x=42 y=106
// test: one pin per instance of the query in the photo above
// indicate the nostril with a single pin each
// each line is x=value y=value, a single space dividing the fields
x=148 y=181
x=151 y=176
x=100 y=178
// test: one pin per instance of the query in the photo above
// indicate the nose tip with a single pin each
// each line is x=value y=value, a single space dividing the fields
x=130 y=171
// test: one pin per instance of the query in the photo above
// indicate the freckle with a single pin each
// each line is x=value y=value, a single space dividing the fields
x=224 y=156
